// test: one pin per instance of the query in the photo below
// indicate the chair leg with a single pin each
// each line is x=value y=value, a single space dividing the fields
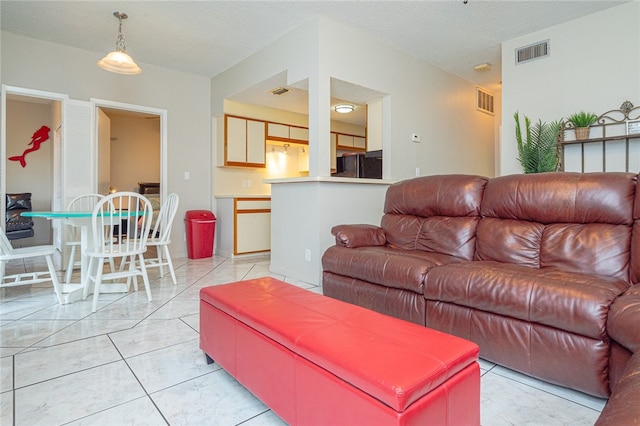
x=96 y=288
x=87 y=283
x=170 y=264
x=145 y=277
x=159 y=260
x=72 y=257
x=54 y=278
x=133 y=276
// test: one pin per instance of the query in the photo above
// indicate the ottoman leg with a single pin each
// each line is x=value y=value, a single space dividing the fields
x=208 y=358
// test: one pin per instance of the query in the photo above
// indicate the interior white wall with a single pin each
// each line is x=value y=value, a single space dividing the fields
x=593 y=66
x=135 y=151
x=62 y=69
x=23 y=119
x=302 y=215
x=426 y=100
x=422 y=99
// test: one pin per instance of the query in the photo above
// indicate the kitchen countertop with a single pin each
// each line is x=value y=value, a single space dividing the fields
x=329 y=179
x=244 y=196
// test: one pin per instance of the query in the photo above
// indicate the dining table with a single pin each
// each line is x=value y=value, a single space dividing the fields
x=82 y=219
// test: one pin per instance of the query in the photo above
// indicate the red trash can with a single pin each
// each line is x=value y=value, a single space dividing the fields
x=200 y=226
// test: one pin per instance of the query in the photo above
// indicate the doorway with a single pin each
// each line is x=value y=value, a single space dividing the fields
x=128 y=150
x=132 y=146
x=31 y=121
x=71 y=162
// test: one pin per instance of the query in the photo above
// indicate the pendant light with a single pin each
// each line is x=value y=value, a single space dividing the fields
x=119 y=60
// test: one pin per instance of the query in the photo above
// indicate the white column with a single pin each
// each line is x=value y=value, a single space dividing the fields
x=319 y=122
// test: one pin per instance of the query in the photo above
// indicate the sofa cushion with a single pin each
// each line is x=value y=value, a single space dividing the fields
x=16 y=205
x=509 y=241
x=573 y=302
x=594 y=248
x=15 y=222
x=388 y=266
x=562 y=197
x=442 y=219
x=21 y=201
x=634 y=269
x=571 y=221
x=455 y=236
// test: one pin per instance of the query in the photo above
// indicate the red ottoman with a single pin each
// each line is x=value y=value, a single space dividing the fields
x=319 y=361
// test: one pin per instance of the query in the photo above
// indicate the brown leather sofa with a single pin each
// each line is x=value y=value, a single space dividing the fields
x=538 y=270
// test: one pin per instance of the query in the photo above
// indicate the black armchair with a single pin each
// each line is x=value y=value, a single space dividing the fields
x=16 y=225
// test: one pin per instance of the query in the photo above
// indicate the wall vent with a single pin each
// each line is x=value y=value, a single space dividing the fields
x=279 y=91
x=484 y=101
x=532 y=52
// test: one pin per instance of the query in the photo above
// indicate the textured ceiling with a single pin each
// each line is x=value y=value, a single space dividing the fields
x=208 y=37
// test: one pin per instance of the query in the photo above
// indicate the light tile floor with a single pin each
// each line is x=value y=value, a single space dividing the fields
x=135 y=362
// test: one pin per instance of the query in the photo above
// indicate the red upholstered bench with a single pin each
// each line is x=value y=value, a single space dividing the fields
x=315 y=360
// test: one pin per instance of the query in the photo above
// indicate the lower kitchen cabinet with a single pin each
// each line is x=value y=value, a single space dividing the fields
x=244 y=225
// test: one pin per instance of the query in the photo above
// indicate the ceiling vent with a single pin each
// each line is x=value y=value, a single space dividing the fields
x=280 y=91
x=484 y=101
x=532 y=52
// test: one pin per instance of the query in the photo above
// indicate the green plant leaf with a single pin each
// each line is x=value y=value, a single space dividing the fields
x=582 y=119
x=538 y=152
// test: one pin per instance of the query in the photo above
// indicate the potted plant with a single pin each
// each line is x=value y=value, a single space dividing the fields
x=581 y=122
x=537 y=148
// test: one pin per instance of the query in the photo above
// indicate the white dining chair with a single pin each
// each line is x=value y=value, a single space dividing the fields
x=160 y=236
x=120 y=226
x=85 y=202
x=8 y=253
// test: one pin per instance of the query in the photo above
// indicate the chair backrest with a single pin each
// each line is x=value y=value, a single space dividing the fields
x=120 y=223
x=164 y=222
x=84 y=203
x=5 y=245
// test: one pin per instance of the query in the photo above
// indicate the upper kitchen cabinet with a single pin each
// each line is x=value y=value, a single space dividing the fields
x=288 y=134
x=351 y=142
x=244 y=142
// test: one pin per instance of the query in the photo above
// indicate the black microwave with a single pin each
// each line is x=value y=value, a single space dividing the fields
x=361 y=165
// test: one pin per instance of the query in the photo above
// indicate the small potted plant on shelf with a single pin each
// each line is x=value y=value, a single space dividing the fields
x=537 y=145
x=581 y=122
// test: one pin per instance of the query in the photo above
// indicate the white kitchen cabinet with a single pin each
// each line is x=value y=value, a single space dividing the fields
x=256 y=149
x=243 y=225
x=277 y=131
x=359 y=142
x=287 y=134
x=345 y=140
x=244 y=142
x=298 y=134
x=353 y=143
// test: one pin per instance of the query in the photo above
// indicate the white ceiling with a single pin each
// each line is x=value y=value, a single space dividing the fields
x=207 y=37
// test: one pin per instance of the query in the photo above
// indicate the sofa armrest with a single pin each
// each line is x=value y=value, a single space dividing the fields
x=353 y=236
x=622 y=407
x=622 y=322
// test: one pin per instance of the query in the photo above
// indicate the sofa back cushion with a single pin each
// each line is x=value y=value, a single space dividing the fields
x=434 y=213
x=577 y=222
x=17 y=204
x=634 y=270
